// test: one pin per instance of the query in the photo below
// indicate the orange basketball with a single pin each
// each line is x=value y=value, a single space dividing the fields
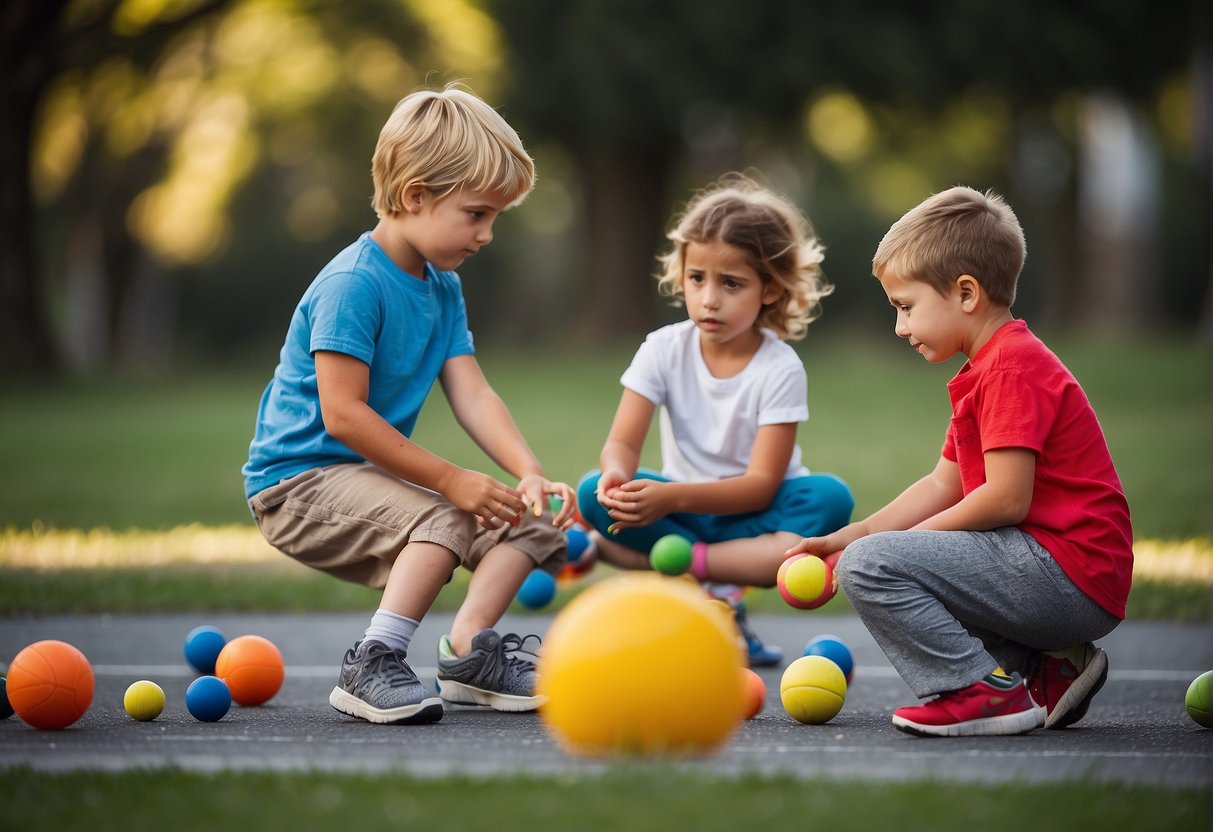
x=50 y=684
x=252 y=668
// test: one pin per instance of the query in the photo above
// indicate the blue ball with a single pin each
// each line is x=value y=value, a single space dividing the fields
x=202 y=647
x=537 y=590
x=834 y=649
x=208 y=699
x=577 y=542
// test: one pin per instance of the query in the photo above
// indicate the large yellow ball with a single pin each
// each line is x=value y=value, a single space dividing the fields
x=812 y=690
x=641 y=664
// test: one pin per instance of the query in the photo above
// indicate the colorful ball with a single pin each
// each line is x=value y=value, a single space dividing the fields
x=671 y=555
x=812 y=690
x=754 y=694
x=252 y=668
x=638 y=664
x=143 y=700
x=537 y=591
x=805 y=582
x=208 y=699
x=577 y=540
x=834 y=649
x=6 y=710
x=1197 y=699
x=50 y=684
x=202 y=647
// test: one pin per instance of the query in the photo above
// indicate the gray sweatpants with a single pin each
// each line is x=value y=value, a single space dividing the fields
x=949 y=607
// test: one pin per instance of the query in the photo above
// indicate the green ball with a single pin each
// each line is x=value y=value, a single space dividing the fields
x=671 y=555
x=1197 y=699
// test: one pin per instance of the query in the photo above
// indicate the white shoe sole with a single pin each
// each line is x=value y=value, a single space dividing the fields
x=1081 y=690
x=458 y=693
x=1009 y=724
x=426 y=711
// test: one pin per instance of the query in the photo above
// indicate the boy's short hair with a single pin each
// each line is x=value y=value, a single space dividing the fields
x=448 y=139
x=959 y=231
x=776 y=238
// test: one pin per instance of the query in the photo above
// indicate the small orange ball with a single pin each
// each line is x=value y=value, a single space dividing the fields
x=252 y=668
x=50 y=684
x=754 y=694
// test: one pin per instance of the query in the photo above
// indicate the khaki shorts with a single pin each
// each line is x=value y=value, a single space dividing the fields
x=353 y=520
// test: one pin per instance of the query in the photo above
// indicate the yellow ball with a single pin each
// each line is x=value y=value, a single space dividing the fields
x=641 y=664
x=812 y=690
x=144 y=700
x=806 y=578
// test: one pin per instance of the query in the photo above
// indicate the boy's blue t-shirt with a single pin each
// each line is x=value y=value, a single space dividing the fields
x=361 y=304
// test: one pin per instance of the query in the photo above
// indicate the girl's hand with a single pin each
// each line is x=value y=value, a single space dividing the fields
x=536 y=489
x=637 y=503
x=492 y=503
x=608 y=482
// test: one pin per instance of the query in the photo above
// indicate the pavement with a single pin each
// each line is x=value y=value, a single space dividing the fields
x=1137 y=730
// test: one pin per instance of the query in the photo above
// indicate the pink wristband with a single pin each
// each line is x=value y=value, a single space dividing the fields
x=699 y=560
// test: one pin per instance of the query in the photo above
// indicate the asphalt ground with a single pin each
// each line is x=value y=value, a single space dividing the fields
x=1137 y=731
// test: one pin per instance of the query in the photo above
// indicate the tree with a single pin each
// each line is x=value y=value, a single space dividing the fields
x=619 y=83
x=38 y=40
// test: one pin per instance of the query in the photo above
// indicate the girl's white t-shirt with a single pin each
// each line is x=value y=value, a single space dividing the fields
x=708 y=424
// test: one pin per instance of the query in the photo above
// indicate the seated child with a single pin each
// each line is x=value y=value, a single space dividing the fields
x=746 y=265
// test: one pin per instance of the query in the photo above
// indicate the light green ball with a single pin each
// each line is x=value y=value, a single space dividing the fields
x=1197 y=699
x=671 y=555
x=144 y=700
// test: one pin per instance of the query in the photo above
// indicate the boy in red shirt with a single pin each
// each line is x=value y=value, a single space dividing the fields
x=986 y=581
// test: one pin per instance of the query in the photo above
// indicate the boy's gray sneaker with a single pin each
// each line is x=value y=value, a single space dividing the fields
x=488 y=675
x=377 y=684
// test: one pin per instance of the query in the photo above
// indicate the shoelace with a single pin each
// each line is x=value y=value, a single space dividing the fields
x=390 y=662
x=497 y=663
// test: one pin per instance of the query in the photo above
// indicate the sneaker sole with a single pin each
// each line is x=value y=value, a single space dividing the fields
x=1010 y=724
x=426 y=711
x=458 y=693
x=1076 y=700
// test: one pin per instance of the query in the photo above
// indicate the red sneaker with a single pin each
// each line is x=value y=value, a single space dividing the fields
x=979 y=709
x=1066 y=681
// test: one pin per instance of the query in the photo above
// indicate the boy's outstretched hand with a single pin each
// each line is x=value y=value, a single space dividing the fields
x=830 y=543
x=535 y=489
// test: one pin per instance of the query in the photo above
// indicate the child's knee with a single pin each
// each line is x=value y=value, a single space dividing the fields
x=838 y=500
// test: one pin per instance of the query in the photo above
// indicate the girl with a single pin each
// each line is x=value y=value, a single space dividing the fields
x=746 y=265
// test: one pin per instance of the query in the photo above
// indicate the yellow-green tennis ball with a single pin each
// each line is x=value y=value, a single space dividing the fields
x=144 y=700
x=1197 y=699
x=812 y=690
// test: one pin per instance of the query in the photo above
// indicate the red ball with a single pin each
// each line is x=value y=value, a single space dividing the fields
x=827 y=592
x=50 y=684
x=252 y=668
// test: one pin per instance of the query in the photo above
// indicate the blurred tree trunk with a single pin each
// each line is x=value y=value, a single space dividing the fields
x=627 y=197
x=27 y=64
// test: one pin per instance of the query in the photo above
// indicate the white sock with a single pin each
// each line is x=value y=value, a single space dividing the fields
x=396 y=631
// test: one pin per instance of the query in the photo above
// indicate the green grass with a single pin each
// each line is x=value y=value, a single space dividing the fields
x=129 y=453
x=643 y=797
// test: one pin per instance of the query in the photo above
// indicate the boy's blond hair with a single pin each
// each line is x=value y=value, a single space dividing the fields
x=959 y=231
x=448 y=139
x=776 y=238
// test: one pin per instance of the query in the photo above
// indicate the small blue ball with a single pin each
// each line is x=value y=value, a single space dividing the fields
x=538 y=590
x=577 y=542
x=202 y=647
x=208 y=699
x=834 y=649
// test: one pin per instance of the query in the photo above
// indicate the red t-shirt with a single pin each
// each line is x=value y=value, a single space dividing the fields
x=1015 y=393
